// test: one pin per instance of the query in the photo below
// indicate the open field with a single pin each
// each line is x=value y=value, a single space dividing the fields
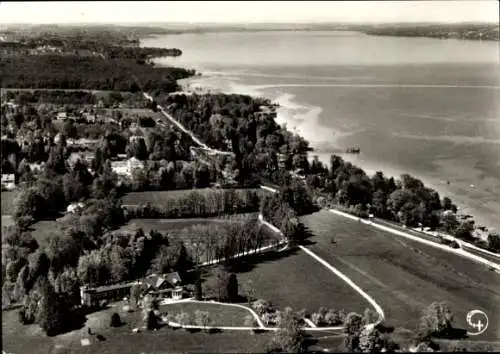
x=220 y=315
x=293 y=278
x=43 y=229
x=171 y=226
x=7 y=221
x=7 y=202
x=161 y=197
x=29 y=339
x=404 y=276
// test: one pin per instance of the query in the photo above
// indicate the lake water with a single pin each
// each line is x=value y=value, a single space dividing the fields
x=428 y=107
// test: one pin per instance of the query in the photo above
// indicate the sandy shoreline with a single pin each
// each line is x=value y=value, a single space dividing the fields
x=307 y=126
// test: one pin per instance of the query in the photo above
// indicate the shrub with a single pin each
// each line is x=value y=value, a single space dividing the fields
x=115 y=320
x=183 y=318
x=202 y=318
x=250 y=321
x=22 y=316
x=303 y=313
x=332 y=318
x=316 y=318
x=151 y=320
x=369 y=316
x=261 y=306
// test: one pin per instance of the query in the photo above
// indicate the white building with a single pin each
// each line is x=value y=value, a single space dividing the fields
x=125 y=168
x=61 y=116
x=8 y=181
x=74 y=207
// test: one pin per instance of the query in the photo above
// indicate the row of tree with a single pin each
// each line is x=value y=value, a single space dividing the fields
x=196 y=204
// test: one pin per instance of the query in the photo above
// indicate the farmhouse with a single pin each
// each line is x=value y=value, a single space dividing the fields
x=169 y=285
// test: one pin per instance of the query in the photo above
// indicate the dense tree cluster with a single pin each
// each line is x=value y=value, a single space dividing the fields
x=196 y=204
x=237 y=123
x=290 y=337
x=141 y=53
x=460 y=31
x=92 y=73
x=206 y=243
x=407 y=200
x=222 y=285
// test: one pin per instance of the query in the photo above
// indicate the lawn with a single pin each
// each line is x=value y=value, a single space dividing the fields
x=171 y=226
x=405 y=276
x=7 y=201
x=29 y=339
x=7 y=220
x=43 y=229
x=294 y=279
x=220 y=315
x=160 y=198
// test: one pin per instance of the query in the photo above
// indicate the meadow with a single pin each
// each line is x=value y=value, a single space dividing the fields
x=404 y=276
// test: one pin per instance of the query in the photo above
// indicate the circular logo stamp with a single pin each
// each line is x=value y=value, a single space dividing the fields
x=477 y=320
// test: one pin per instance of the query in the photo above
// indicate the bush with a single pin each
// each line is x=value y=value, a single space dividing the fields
x=22 y=316
x=151 y=320
x=202 y=318
x=303 y=313
x=183 y=318
x=333 y=318
x=316 y=318
x=261 y=306
x=115 y=320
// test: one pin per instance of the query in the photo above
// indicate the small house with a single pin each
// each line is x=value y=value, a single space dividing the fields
x=8 y=181
x=74 y=208
x=62 y=116
x=89 y=117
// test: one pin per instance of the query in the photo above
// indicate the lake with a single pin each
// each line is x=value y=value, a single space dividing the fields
x=429 y=107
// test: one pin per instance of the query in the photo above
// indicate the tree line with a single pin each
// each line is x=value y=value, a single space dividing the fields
x=91 y=73
x=196 y=204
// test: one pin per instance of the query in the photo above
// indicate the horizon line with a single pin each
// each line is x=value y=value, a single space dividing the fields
x=302 y=22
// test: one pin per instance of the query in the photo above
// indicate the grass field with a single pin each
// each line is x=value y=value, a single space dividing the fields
x=219 y=315
x=29 y=339
x=7 y=202
x=293 y=278
x=405 y=276
x=154 y=197
x=43 y=229
x=171 y=226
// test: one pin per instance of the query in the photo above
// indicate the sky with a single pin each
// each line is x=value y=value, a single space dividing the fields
x=248 y=11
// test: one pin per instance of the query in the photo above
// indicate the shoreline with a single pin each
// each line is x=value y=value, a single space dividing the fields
x=300 y=123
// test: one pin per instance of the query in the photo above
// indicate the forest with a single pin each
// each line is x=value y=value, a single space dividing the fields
x=234 y=123
x=89 y=73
